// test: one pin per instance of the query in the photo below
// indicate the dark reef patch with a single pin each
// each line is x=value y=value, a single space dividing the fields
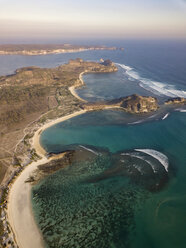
x=91 y=202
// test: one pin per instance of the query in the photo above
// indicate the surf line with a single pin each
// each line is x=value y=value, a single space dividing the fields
x=157 y=155
x=158 y=88
x=165 y=116
x=88 y=149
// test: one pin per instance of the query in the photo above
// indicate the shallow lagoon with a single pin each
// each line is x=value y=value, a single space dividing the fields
x=73 y=207
x=135 y=215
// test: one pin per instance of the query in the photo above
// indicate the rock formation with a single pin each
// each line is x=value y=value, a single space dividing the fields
x=176 y=100
x=133 y=104
x=139 y=104
x=107 y=62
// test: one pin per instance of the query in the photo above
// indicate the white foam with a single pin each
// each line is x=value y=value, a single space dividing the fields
x=136 y=122
x=157 y=88
x=157 y=155
x=141 y=157
x=152 y=116
x=88 y=149
x=181 y=110
x=138 y=168
x=164 y=117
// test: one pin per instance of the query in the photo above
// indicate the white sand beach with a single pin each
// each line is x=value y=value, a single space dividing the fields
x=72 y=88
x=19 y=210
x=36 y=139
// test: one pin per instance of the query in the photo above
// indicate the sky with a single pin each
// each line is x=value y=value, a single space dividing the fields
x=74 y=19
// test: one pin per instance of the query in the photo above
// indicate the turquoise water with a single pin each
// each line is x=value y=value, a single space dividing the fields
x=114 y=198
x=111 y=195
x=126 y=185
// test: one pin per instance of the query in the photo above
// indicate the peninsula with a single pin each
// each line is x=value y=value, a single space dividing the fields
x=43 y=49
x=34 y=95
x=29 y=98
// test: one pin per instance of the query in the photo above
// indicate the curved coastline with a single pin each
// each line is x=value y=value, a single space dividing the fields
x=36 y=139
x=19 y=210
x=72 y=88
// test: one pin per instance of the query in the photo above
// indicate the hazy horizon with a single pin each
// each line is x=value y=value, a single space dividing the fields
x=64 y=21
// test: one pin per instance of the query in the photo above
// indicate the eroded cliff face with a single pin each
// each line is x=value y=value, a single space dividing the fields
x=176 y=100
x=134 y=104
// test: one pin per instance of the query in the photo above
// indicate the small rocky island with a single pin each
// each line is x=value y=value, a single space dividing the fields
x=134 y=104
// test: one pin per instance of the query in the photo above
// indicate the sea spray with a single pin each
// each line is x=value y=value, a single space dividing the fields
x=157 y=155
x=155 y=87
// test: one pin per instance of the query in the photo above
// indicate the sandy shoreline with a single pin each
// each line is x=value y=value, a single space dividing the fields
x=19 y=210
x=72 y=88
x=36 y=139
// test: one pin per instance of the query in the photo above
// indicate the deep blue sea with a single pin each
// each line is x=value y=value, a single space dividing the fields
x=126 y=186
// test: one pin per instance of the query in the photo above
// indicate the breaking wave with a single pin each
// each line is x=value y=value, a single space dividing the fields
x=155 y=87
x=136 y=122
x=182 y=110
x=146 y=160
x=157 y=155
x=88 y=149
x=164 y=117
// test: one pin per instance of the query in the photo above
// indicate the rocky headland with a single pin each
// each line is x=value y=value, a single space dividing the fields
x=134 y=104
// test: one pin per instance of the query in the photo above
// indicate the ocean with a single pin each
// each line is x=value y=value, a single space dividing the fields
x=127 y=186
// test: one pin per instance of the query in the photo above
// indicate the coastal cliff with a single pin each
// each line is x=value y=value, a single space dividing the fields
x=134 y=104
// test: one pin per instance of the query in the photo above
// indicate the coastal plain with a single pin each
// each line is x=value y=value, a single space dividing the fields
x=29 y=98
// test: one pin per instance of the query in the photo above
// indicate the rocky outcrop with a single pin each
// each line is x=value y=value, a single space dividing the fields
x=176 y=100
x=107 y=62
x=92 y=67
x=139 y=104
x=133 y=104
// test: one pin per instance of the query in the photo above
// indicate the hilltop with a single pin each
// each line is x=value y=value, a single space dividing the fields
x=134 y=104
